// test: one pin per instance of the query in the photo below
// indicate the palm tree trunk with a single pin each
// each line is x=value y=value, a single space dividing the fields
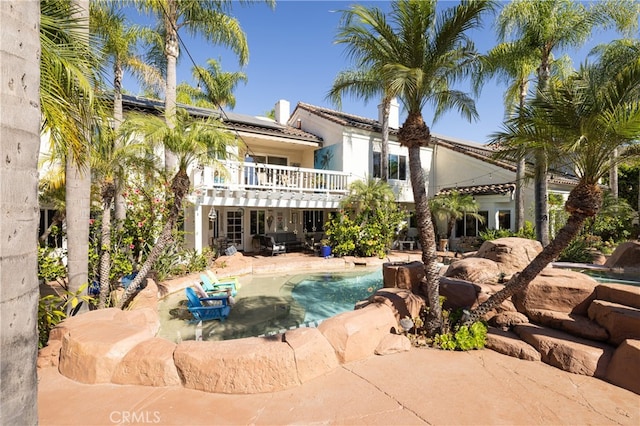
x=541 y=201
x=20 y=143
x=179 y=186
x=120 y=203
x=582 y=195
x=108 y=192
x=171 y=50
x=384 y=146
x=613 y=174
x=520 y=175
x=413 y=134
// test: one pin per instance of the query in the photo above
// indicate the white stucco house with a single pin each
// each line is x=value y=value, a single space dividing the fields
x=295 y=170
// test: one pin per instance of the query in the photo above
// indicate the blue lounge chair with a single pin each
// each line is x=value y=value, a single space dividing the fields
x=211 y=287
x=207 y=308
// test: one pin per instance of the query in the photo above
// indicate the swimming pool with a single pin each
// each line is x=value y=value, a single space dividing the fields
x=269 y=304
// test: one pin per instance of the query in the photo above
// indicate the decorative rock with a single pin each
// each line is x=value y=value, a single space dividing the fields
x=403 y=275
x=622 y=322
x=60 y=330
x=511 y=253
x=508 y=343
x=626 y=255
x=49 y=356
x=242 y=366
x=403 y=303
x=147 y=297
x=622 y=294
x=474 y=269
x=558 y=290
x=314 y=355
x=457 y=293
x=92 y=350
x=623 y=369
x=569 y=353
x=393 y=343
x=144 y=317
x=506 y=320
x=576 y=325
x=150 y=363
x=355 y=335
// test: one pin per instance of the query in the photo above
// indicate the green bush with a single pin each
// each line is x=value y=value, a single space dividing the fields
x=463 y=338
x=577 y=251
x=50 y=266
x=527 y=231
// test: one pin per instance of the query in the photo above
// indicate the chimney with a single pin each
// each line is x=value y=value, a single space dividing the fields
x=282 y=111
x=394 y=114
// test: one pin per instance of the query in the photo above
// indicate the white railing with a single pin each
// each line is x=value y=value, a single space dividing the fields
x=236 y=175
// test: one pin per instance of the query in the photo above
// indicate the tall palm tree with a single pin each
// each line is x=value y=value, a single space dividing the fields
x=19 y=145
x=69 y=72
x=420 y=54
x=368 y=196
x=453 y=207
x=194 y=141
x=586 y=117
x=547 y=26
x=209 y=19
x=215 y=87
x=118 y=41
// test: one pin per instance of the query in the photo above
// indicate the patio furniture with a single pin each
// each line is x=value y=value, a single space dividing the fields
x=211 y=287
x=207 y=308
x=268 y=244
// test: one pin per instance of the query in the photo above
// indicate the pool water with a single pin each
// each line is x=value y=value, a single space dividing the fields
x=269 y=304
x=612 y=277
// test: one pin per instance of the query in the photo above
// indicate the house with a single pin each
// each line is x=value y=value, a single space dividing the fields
x=292 y=172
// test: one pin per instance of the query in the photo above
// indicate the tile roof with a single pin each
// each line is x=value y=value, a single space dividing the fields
x=495 y=189
x=238 y=122
x=345 y=119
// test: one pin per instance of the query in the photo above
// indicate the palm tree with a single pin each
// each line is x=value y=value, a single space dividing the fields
x=546 y=26
x=613 y=57
x=368 y=196
x=112 y=160
x=193 y=141
x=68 y=74
x=20 y=142
x=453 y=207
x=208 y=19
x=587 y=117
x=419 y=54
x=118 y=41
x=215 y=87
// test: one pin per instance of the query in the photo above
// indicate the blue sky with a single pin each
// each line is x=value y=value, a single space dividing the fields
x=292 y=56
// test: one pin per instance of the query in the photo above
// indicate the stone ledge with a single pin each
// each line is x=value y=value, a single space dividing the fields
x=623 y=369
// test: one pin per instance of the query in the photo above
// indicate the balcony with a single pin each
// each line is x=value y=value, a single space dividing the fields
x=239 y=176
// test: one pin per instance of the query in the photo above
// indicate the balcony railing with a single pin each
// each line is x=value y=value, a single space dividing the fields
x=236 y=175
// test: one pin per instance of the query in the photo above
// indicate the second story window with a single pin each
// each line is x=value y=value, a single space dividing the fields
x=397 y=166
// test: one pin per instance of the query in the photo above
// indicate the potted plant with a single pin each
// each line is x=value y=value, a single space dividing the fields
x=325 y=248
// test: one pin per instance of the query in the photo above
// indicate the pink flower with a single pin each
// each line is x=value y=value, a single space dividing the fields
x=92 y=221
x=131 y=246
x=140 y=224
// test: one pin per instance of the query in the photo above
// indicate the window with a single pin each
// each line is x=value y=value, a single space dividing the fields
x=313 y=220
x=256 y=222
x=469 y=226
x=270 y=159
x=504 y=219
x=397 y=166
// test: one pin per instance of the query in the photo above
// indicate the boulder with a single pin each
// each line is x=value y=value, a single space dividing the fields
x=457 y=293
x=92 y=350
x=49 y=356
x=622 y=322
x=623 y=369
x=622 y=294
x=474 y=269
x=241 y=366
x=356 y=334
x=508 y=343
x=626 y=256
x=149 y=363
x=403 y=303
x=236 y=264
x=566 y=352
x=61 y=329
x=314 y=355
x=506 y=320
x=576 y=325
x=403 y=275
x=393 y=343
x=511 y=253
x=560 y=290
x=146 y=298
x=146 y=317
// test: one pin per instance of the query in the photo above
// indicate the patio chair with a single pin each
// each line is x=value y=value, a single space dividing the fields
x=207 y=308
x=224 y=280
x=211 y=287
